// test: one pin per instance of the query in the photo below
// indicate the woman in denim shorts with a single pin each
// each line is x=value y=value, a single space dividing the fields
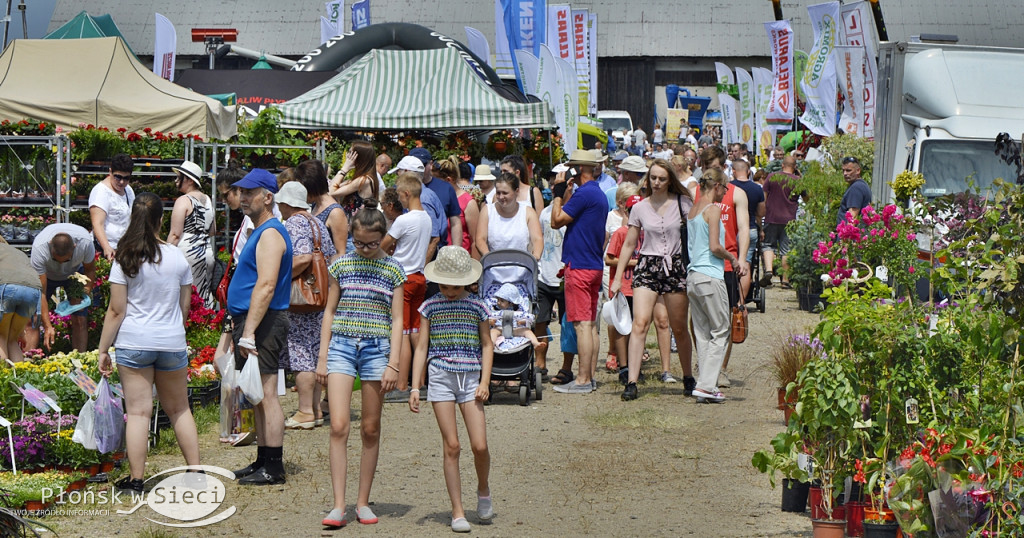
x=19 y=299
x=150 y=293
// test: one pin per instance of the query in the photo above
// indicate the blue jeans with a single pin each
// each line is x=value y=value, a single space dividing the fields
x=19 y=300
x=352 y=355
x=164 y=361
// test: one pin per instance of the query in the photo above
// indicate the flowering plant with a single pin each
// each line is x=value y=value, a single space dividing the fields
x=792 y=354
x=906 y=184
x=873 y=239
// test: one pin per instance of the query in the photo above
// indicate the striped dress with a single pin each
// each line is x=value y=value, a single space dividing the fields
x=367 y=288
x=454 y=332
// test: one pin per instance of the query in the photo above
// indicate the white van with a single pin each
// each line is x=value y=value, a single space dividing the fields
x=617 y=121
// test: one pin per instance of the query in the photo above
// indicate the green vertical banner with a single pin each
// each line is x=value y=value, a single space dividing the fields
x=799 y=65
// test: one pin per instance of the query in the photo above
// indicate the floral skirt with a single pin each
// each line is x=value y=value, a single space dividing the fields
x=303 y=341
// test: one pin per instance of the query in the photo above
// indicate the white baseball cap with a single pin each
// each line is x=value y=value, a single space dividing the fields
x=409 y=164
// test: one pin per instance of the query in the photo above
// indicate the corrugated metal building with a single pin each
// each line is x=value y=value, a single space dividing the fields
x=642 y=44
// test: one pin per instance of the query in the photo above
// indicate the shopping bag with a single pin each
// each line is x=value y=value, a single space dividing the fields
x=84 y=429
x=249 y=380
x=226 y=366
x=109 y=421
x=740 y=326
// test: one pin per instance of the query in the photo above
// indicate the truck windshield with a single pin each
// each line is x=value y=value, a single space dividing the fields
x=947 y=166
x=615 y=124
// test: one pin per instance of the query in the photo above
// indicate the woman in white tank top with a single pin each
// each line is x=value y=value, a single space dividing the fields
x=508 y=223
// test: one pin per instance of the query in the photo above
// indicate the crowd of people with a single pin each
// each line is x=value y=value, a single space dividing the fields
x=672 y=229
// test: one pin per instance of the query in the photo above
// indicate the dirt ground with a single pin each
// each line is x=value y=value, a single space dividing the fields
x=569 y=465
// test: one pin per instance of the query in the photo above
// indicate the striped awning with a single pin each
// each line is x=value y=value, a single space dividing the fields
x=410 y=90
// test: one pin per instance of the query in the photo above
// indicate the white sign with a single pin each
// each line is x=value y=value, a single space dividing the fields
x=819 y=80
x=780 y=108
x=850 y=71
x=859 y=30
x=165 y=45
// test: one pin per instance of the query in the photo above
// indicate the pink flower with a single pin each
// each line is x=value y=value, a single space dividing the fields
x=911 y=237
x=911 y=269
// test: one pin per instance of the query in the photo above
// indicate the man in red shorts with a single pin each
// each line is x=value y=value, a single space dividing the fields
x=583 y=211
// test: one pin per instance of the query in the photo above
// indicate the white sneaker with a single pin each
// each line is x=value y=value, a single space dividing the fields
x=484 y=508
x=723 y=380
x=708 y=397
x=460 y=525
x=667 y=378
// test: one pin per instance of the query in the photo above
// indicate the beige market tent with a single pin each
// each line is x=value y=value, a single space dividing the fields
x=98 y=81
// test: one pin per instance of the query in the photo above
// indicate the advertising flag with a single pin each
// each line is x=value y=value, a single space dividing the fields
x=859 y=30
x=560 y=34
x=334 y=11
x=551 y=88
x=819 y=80
x=502 y=53
x=360 y=14
x=164 y=48
x=477 y=43
x=746 y=108
x=592 y=57
x=780 y=108
x=328 y=29
x=850 y=71
x=528 y=67
x=524 y=26
x=763 y=132
x=727 y=104
x=570 y=103
x=581 y=36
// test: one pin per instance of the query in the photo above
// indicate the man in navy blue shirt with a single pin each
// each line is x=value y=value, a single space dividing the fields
x=445 y=192
x=583 y=212
x=857 y=195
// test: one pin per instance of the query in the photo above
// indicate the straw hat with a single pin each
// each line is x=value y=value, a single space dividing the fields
x=292 y=194
x=483 y=173
x=633 y=164
x=453 y=267
x=190 y=170
x=584 y=157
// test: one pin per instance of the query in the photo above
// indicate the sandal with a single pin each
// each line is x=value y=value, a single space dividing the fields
x=611 y=364
x=562 y=377
x=544 y=377
x=647 y=356
x=294 y=424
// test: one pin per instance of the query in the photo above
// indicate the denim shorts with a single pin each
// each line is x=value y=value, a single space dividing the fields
x=352 y=355
x=18 y=299
x=164 y=361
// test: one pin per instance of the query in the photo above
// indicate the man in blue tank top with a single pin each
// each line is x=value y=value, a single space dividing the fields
x=258 y=299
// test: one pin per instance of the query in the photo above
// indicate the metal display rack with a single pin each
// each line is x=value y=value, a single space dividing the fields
x=34 y=191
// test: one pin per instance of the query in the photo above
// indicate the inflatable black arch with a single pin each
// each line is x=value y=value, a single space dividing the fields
x=341 y=49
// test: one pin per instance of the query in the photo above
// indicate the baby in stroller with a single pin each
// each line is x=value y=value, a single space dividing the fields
x=511 y=317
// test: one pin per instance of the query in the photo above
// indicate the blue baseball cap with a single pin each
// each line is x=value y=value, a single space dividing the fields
x=258 y=178
x=423 y=154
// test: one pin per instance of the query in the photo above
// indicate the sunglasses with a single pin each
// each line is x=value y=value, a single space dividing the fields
x=798 y=154
x=120 y=177
x=370 y=245
x=850 y=160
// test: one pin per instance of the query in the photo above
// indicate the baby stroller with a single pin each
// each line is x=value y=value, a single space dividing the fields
x=513 y=360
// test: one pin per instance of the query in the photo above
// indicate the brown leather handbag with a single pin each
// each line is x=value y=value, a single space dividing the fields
x=740 y=325
x=221 y=294
x=309 y=288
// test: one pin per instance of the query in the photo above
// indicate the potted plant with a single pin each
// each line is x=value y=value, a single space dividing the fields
x=827 y=407
x=785 y=457
x=788 y=357
x=803 y=273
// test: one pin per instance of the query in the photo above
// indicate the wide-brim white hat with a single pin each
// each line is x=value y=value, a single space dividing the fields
x=584 y=157
x=190 y=170
x=453 y=267
x=616 y=313
x=483 y=173
x=633 y=164
x=292 y=194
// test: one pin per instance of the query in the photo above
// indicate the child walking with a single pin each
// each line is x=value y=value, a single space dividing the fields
x=364 y=338
x=455 y=336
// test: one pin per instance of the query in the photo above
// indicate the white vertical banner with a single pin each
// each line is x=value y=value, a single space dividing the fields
x=328 y=29
x=165 y=45
x=850 y=71
x=819 y=80
x=581 y=36
x=730 y=133
x=551 y=88
x=763 y=132
x=477 y=43
x=859 y=30
x=592 y=57
x=529 y=68
x=502 y=52
x=334 y=8
x=745 y=84
x=570 y=103
x=560 y=34
x=781 y=106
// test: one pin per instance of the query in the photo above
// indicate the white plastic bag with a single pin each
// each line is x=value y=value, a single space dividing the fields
x=84 y=434
x=109 y=418
x=226 y=365
x=249 y=380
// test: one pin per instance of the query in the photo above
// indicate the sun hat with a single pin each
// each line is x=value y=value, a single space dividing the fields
x=616 y=313
x=453 y=267
x=257 y=178
x=483 y=173
x=409 y=164
x=190 y=170
x=584 y=157
x=509 y=293
x=599 y=155
x=423 y=154
x=620 y=155
x=633 y=163
x=292 y=194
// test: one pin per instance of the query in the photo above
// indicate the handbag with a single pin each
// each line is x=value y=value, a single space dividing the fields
x=740 y=325
x=221 y=294
x=684 y=253
x=309 y=288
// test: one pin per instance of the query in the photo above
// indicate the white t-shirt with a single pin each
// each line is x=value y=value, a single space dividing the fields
x=118 y=208
x=42 y=260
x=659 y=136
x=412 y=239
x=550 y=262
x=639 y=137
x=153 y=319
x=612 y=223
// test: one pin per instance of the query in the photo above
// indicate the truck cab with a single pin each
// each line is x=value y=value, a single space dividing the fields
x=938 y=111
x=617 y=121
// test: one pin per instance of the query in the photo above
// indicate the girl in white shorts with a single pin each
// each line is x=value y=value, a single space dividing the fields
x=454 y=334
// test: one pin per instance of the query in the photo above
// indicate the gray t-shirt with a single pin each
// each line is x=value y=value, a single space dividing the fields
x=43 y=262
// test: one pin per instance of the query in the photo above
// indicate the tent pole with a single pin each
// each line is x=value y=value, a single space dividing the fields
x=7 y=22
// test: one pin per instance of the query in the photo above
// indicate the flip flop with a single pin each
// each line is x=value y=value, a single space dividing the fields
x=562 y=377
x=611 y=364
x=293 y=424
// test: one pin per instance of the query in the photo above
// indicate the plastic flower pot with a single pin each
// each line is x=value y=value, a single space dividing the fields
x=794 y=495
x=855 y=518
x=828 y=528
x=888 y=529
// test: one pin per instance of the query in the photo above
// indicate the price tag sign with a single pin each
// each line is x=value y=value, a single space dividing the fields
x=35 y=397
x=83 y=381
x=4 y=423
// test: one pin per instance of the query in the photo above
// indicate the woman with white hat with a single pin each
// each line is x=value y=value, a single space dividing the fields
x=193 y=227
